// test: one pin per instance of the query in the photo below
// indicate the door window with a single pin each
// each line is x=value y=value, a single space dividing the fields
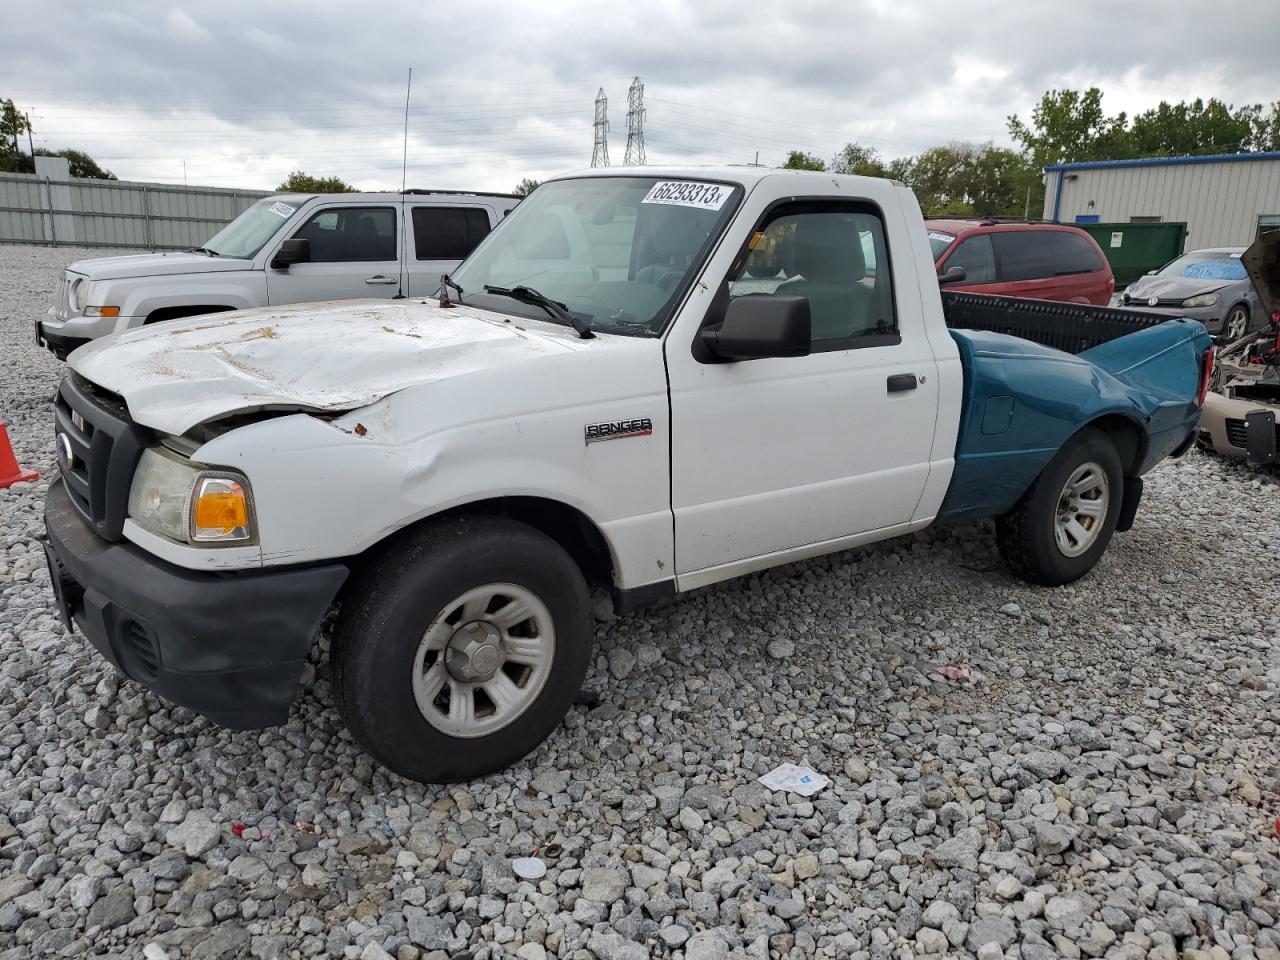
x=1023 y=255
x=835 y=257
x=977 y=258
x=448 y=233
x=351 y=234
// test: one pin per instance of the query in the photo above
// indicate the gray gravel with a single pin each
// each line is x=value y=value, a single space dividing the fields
x=1103 y=784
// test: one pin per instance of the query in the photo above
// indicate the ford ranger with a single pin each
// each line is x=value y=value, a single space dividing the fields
x=647 y=379
x=284 y=249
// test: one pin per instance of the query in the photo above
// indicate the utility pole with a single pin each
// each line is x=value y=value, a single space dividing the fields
x=30 y=144
x=635 y=125
x=600 y=145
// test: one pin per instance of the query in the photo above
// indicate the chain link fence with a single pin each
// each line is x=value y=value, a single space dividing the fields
x=114 y=213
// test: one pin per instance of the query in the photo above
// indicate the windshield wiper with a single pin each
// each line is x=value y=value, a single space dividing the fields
x=556 y=309
x=446 y=284
x=212 y=253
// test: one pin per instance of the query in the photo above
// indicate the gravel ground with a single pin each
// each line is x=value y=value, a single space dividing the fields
x=1104 y=783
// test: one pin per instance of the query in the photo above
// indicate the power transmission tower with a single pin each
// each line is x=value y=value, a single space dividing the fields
x=600 y=151
x=635 y=125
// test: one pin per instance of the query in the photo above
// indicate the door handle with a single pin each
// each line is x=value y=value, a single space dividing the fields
x=900 y=382
x=381 y=279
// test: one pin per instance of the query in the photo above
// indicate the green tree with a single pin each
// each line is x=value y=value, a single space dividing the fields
x=526 y=187
x=799 y=160
x=1198 y=127
x=856 y=159
x=12 y=125
x=299 y=182
x=1067 y=125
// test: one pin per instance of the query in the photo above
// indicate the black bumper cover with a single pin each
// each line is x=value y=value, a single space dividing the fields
x=229 y=646
x=57 y=344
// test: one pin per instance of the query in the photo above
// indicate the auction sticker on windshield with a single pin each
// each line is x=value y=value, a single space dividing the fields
x=282 y=210
x=680 y=193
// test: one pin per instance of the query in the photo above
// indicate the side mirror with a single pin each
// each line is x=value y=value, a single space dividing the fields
x=953 y=275
x=757 y=326
x=295 y=250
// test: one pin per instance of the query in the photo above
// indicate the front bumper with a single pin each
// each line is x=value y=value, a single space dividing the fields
x=60 y=337
x=1225 y=428
x=229 y=646
x=1212 y=317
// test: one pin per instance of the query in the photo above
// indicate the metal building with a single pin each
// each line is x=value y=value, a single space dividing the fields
x=1226 y=200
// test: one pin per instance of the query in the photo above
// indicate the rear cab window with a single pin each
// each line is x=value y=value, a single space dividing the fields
x=448 y=233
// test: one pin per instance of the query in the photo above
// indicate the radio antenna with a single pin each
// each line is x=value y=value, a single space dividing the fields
x=404 y=169
x=404 y=176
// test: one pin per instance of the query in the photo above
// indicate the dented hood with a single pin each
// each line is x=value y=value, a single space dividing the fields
x=319 y=357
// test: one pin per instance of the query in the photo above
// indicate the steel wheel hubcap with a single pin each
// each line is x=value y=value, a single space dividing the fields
x=1082 y=509
x=483 y=660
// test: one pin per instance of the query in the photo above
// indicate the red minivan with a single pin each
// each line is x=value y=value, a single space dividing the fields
x=1041 y=261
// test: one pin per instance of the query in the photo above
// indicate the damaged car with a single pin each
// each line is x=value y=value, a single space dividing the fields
x=1239 y=418
x=1206 y=285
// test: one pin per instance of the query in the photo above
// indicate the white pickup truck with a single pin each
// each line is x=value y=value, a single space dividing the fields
x=646 y=379
x=284 y=249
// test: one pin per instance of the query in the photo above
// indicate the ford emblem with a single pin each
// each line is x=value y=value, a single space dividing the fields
x=66 y=456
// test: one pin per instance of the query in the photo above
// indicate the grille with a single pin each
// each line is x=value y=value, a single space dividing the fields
x=138 y=647
x=62 y=301
x=1237 y=433
x=98 y=448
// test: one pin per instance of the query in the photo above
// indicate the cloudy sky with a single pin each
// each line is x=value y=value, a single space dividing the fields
x=243 y=92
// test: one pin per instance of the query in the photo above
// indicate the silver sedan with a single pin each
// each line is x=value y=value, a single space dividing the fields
x=1206 y=285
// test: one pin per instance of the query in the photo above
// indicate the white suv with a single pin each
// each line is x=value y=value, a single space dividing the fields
x=288 y=248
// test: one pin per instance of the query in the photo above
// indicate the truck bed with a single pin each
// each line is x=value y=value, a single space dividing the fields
x=1070 y=327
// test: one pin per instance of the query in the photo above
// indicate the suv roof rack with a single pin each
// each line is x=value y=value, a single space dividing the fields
x=988 y=221
x=462 y=193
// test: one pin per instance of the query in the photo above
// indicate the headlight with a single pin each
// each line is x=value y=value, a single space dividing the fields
x=1201 y=300
x=102 y=311
x=75 y=294
x=173 y=497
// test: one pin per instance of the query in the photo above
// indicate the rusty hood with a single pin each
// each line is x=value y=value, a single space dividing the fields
x=313 y=357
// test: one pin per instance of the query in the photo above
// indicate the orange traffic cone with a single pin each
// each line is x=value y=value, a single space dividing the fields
x=10 y=471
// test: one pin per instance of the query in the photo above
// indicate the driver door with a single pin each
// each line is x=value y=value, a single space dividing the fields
x=781 y=458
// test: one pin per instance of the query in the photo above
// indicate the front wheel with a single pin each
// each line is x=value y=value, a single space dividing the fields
x=1060 y=528
x=462 y=648
x=1236 y=324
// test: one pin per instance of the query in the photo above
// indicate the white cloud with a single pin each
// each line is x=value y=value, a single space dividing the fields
x=503 y=91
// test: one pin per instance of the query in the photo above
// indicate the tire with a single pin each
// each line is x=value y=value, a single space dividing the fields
x=394 y=682
x=1235 y=324
x=1032 y=540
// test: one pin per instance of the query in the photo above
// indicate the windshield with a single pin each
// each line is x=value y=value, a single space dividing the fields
x=248 y=233
x=617 y=251
x=938 y=243
x=1206 y=266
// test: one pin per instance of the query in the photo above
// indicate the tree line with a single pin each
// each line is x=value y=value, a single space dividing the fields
x=1065 y=126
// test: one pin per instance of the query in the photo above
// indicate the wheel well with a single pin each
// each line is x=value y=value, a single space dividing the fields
x=566 y=525
x=1127 y=436
x=175 y=313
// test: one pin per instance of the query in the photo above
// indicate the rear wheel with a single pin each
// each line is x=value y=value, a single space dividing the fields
x=462 y=648
x=1061 y=527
